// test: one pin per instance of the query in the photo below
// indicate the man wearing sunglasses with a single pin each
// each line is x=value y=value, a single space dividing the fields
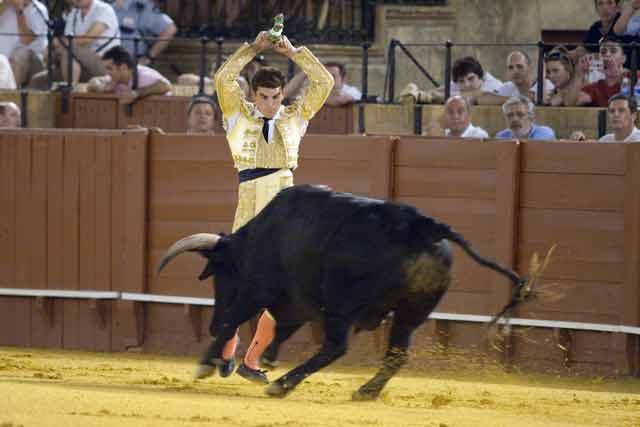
x=613 y=59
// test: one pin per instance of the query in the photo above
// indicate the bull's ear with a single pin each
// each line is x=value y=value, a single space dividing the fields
x=208 y=270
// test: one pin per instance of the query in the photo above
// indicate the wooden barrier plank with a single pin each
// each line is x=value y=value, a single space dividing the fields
x=430 y=153
x=596 y=297
x=23 y=235
x=383 y=119
x=86 y=213
x=102 y=191
x=572 y=191
x=170 y=176
x=507 y=194
x=94 y=111
x=72 y=161
x=631 y=307
x=7 y=210
x=445 y=183
x=23 y=212
x=573 y=158
x=176 y=147
x=40 y=324
x=55 y=235
x=187 y=205
x=129 y=219
x=135 y=199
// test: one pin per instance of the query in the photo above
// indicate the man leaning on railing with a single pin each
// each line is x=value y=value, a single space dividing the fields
x=120 y=78
x=23 y=29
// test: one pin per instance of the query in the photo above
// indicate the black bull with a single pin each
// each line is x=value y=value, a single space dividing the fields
x=348 y=261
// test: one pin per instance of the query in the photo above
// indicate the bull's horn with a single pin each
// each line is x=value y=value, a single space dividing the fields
x=189 y=243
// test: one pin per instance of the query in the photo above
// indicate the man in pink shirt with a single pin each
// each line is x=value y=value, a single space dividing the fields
x=120 y=65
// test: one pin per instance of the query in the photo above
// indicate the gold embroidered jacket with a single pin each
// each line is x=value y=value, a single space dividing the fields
x=245 y=136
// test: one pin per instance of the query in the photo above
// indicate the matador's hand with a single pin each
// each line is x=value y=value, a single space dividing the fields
x=284 y=47
x=262 y=42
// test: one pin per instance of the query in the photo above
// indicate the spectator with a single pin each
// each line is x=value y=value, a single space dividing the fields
x=613 y=59
x=119 y=80
x=10 y=115
x=201 y=115
x=563 y=74
x=521 y=72
x=86 y=21
x=456 y=120
x=25 y=52
x=143 y=19
x=469 y=79
x=7 y=80
x=243 y=79
x=341 y=94
x=621 y=116
x=520 y=116
x=609 y=12
x=628 y=25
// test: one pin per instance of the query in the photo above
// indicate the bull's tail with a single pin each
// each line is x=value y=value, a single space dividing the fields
x=521 y=285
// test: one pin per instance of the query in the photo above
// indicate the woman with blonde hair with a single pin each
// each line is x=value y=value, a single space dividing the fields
x=567 y=78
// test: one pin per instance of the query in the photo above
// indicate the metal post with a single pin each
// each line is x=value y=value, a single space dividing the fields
x=634 y=66
x=602 y=123
x=136 y=51
x=219 y=42
x=50 y=58
x=365 y=70
x=447 y=70
x=540 y=91
x=417 y=119
x=203 y=63
x=24 y=108
x=392 y=70
x=70 y=60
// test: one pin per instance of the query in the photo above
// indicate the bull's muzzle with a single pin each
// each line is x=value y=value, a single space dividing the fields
x=190 y=243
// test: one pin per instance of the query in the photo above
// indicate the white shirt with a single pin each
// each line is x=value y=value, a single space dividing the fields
x=470 y=132
x=7 y=80
x=510 y=89
x=99 y=11
x=351 y=91
x=634 y=136
x=36 y=16
x=489 y=84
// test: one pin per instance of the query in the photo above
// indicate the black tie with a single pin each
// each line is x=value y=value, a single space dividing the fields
x=265 y=129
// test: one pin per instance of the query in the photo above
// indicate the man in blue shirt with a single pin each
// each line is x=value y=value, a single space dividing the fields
x=519 y=112
x=143 y=19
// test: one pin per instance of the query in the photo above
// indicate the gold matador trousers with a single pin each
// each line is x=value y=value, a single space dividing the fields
x=254 y=195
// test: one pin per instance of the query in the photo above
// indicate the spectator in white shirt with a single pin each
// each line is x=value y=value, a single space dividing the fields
x=25 y=51
x=341 y=94
x=86 y=21
x=469 y=79
x=10 y=115
x=621 y=116
x=521 y=72
x=7 y=81
x=457 y=119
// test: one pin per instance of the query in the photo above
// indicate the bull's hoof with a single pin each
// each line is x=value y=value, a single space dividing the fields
x=204 y=371
x=276 y=389
x=364 y=395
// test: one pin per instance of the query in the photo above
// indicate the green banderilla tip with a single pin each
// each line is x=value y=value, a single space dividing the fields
x=275 y=33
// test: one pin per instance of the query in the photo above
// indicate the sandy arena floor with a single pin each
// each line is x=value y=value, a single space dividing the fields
x=62 y=388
